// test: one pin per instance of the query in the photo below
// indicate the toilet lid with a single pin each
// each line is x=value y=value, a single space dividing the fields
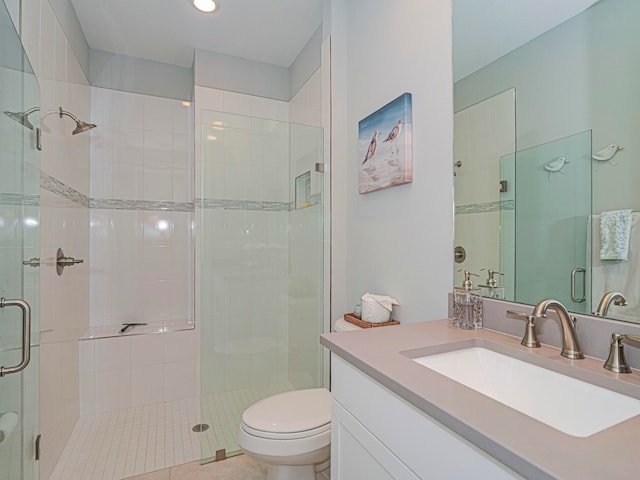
x=290 y=412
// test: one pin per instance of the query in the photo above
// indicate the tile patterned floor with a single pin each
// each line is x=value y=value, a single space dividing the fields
x=126 y=443
x=239 y=467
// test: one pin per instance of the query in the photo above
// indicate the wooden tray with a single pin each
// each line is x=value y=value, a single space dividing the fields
x=351 y=318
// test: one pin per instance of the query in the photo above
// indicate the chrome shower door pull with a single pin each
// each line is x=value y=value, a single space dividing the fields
x=26 y=335
x=574 y=297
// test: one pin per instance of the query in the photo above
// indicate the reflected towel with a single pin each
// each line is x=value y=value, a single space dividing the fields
x=615 y=232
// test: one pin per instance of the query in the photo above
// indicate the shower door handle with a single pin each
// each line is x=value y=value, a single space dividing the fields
x=574 y=297
x=26 y=335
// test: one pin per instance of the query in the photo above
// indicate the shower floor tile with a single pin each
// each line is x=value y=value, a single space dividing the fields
x=138 y=440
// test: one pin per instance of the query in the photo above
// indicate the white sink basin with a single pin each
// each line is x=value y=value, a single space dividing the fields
x=572 y=406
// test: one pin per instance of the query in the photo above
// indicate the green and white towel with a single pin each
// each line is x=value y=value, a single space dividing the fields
x=615 y=232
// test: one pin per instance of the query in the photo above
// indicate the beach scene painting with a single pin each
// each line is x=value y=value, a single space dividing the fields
x=385 y=146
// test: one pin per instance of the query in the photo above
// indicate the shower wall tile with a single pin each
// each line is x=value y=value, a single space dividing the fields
x=112 y=390
x=180 y=380
x=63 y=306
x=306 y=107
x=158 y=149
x=181 y=157
x=136 y=370
x=112 y=354
x=179 y=347
x=268 y=108
x=157 y=117
x=147 y=350
x=147 y=385
x=237 y=103
x=150 y=168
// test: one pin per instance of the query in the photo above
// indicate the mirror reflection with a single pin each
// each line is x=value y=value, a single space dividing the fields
x=545 y=154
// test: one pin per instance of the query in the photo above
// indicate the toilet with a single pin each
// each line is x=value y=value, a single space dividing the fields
x=290 y=433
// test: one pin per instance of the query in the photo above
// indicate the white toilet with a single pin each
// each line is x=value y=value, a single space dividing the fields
x=290 y=432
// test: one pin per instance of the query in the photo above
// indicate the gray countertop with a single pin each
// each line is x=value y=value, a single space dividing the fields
x=524 y=444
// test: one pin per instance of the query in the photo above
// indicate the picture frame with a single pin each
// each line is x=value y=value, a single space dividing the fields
x=385 y=146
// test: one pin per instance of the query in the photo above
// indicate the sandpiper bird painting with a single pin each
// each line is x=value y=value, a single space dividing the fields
x=393 y=136
x=371 y=151
x=381 y=167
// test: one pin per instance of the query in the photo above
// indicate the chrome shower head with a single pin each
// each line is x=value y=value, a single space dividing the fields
x=22 y=117
x=81 y=126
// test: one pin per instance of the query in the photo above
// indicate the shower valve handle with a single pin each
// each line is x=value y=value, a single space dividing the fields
x=62 y=261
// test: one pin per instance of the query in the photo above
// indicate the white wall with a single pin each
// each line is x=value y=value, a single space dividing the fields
x=399 y=240
x=129 y=74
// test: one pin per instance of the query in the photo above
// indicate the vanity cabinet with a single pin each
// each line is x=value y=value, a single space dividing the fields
x=379 y=436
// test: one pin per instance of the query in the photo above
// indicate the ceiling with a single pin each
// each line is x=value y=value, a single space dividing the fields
x=167 y=31
x=275 y=31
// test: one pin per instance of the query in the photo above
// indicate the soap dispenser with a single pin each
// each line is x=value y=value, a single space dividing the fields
x=467 y=305
x=491 y=289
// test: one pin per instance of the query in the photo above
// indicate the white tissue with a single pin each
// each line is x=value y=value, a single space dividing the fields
x=377 y=308
x=8 y=423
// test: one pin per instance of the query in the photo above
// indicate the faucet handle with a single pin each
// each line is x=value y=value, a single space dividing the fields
x=617 y=362
x=530 y=339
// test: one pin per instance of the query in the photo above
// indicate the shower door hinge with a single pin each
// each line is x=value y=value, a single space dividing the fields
x=37 y=446
x=221 y=454
x=503 y=186
x=320 y=167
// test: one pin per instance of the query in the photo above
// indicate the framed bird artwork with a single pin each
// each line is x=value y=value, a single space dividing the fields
x=385 y=146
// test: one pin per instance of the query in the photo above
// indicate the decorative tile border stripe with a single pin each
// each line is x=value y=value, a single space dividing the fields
x=249 y=205
x=117 y=204
x=252 y=205
x=486 y=207
x=28 y=199
x=59 y=188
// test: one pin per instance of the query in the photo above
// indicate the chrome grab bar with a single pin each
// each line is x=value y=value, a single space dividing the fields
x=573 y=285
x=26 y=335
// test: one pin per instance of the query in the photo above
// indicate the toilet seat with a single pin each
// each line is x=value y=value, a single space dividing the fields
x=290 y=415
x=286 y=436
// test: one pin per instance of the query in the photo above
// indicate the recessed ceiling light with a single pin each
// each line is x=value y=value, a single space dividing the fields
x=206 y=6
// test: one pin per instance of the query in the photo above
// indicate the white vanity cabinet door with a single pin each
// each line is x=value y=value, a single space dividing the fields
x=357 y=454
x=391 y=437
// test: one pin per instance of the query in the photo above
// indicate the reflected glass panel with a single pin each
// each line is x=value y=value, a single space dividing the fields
x=552 y=211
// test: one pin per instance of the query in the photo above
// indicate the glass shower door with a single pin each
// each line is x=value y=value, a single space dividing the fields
x=19 y=241
x=260 y=259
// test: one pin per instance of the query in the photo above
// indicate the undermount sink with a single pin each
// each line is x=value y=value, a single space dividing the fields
x=572 y=406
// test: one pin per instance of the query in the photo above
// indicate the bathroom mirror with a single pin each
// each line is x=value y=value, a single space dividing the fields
x=542 y=94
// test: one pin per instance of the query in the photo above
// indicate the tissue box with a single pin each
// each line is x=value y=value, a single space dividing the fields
x=377 y=308
x=373 y=312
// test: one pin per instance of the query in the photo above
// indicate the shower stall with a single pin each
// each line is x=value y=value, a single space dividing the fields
x=200 y=217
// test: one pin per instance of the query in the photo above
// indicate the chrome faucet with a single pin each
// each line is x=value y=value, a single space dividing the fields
x=616 y=361
x=570 y=345
x=609 y=297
